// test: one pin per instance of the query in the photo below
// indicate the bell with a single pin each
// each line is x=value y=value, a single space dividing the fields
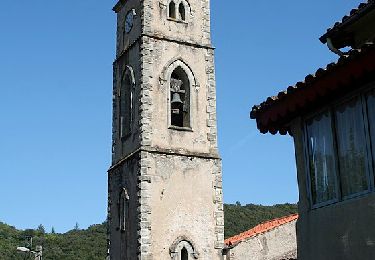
x=176 y=98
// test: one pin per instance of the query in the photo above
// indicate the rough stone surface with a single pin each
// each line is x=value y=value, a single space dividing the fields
x=172 y=176
x=276 y=244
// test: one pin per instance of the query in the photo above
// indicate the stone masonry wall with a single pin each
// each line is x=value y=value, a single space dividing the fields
x=173 y=176
x=275 y=244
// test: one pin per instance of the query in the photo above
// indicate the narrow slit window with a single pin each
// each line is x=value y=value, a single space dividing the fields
x=126 y=106
x=123 y=210
x=172 y=10
x=181 y=11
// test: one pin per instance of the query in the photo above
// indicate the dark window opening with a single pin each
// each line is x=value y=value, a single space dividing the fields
x=180 y=98
x=181 y=11
x=172 y=10
x=184 y=254
x=123 y=210
x=126 y=106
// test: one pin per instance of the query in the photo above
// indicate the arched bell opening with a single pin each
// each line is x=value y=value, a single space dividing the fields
x=180 y=98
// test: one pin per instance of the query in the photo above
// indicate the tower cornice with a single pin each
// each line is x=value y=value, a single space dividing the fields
x=159 y=150
x=162 y=38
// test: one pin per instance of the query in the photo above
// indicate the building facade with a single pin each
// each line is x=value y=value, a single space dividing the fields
x=331 y=116
x=271 y=240
x=165 y=182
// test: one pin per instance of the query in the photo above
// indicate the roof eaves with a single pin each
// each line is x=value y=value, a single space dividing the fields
x=353 y=16
x=258 y=111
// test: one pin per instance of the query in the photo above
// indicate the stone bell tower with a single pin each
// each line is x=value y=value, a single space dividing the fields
x=165 y=183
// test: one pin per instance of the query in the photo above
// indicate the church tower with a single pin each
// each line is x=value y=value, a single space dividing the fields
x=165 y=182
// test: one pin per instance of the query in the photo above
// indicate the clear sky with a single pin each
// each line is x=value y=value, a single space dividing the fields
x=55 y=101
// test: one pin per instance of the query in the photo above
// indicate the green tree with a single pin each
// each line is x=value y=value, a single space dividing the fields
x=41 y=229
x=76 y=226
x=91 y=243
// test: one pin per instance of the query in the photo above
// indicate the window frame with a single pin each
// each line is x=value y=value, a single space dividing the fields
x=307 y=160
x=361 y=94
x=370 y=88
x=167 y=74
x=369 y=169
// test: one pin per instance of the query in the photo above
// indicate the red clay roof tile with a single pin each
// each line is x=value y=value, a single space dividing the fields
x=259 y=229
x=275 y=113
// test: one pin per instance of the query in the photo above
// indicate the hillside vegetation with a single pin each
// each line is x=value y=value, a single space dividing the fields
x=239 y=218
x=90 y=244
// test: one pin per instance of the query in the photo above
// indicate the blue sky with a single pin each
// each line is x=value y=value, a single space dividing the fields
x=55 y=101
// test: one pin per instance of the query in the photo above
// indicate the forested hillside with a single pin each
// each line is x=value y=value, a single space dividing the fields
x=76 y=244
x=90 y=243
x=241 y=218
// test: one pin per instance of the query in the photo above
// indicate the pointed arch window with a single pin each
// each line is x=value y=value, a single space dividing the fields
x=180 y=98
x=126 y=103
x=184 y=254
x=181 y=11
x=172 y=10
x=183 y=249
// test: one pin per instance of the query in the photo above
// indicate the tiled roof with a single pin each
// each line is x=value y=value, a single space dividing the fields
x=276 y=112
x=353 y=16
x=259 y=229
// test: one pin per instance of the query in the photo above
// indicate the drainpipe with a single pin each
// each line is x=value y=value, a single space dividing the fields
x=334 y=49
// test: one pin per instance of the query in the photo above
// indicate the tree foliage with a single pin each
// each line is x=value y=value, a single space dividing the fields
x=87 y=244
x=90 y=244
x=239 y=218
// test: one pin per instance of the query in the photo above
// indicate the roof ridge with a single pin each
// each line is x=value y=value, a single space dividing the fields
x=261 y=228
